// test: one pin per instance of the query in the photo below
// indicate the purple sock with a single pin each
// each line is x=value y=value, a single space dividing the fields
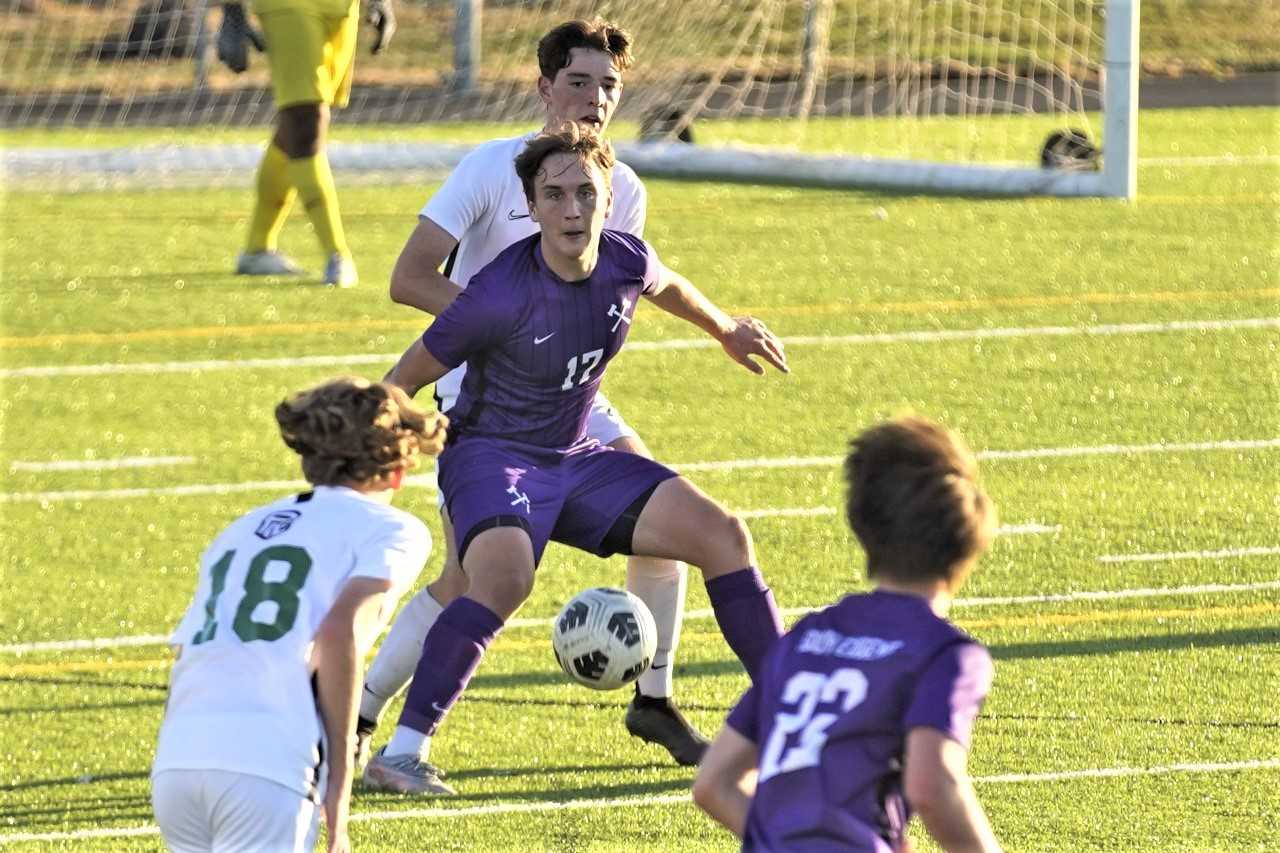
x=450 y=655
x=747 y=615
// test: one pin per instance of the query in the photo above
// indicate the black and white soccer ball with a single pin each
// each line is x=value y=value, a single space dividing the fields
x=604 y=638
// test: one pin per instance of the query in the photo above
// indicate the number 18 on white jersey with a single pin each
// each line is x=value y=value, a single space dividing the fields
x=240 y=696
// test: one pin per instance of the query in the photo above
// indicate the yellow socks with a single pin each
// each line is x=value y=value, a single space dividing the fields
x=314 y=182
x=275 y=197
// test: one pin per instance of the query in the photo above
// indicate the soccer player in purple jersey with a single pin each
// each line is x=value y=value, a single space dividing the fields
x=861 y=714
x=536 y=328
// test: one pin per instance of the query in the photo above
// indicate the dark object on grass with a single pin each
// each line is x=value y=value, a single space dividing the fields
x=659 y=123
x=1072 y=150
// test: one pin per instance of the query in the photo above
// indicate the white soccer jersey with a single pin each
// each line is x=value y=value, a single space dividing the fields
x=241 y=696
x=483 y=206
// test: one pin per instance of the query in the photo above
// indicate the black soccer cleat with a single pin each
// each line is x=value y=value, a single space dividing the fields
x=659 y=721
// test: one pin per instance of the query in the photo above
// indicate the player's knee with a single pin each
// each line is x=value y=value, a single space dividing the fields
x=729 y=544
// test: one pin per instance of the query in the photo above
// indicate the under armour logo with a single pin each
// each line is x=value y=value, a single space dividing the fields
x=520 y=498
x=621 y=315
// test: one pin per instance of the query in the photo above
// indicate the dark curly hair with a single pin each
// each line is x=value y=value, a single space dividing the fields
x=354 y=431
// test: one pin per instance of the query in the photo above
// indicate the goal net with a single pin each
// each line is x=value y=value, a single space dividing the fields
x=946 y=95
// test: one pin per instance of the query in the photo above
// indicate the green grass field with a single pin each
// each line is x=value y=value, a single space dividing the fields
x=1128 y=350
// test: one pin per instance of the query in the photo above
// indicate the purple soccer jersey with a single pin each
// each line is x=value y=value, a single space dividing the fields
x=830 y=713
x=536 y=346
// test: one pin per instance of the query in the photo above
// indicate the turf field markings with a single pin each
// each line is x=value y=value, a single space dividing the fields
x=661 y=799
x=258 y=330
x=534 y=622
x=1110 y=772
x=427 y=481
x=1221 y=554
x=102 y=464
x=943 y=305
x=1029 y=453
x=920 y=336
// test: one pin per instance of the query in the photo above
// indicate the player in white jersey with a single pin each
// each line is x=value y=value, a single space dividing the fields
x=258 y=737
x=481 y=210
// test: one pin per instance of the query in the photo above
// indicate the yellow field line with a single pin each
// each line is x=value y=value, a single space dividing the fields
x=1117 y=616
x=507 y=642
x=850 y=308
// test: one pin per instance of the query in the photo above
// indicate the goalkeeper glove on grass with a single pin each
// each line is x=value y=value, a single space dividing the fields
x=380 y=15
x=234 y=37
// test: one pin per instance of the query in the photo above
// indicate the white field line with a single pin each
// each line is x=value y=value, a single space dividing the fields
x=660 y=800
x=1222 y=554
x=1218 y=160
x=103 y=464
x=427 y=481
x=925 y=336
x=532 y=622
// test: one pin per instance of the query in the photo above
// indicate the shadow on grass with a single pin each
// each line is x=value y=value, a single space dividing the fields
x=558 y=794
x=79 y=708
x=1006 y=651
x=88 y=681
x=1151 y=721
x=80 y=781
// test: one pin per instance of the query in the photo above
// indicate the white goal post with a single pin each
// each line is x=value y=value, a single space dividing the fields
x=954 y=96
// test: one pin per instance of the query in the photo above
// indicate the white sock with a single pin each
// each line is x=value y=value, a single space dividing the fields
x=397 y=658
x=407 y=741
x=661 y=585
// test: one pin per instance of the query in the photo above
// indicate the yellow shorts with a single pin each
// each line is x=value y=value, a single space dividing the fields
x=312 y=51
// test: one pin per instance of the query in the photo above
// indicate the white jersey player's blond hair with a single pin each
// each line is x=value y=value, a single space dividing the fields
x=354 y=431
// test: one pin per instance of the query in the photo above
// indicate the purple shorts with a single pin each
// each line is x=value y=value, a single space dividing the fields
x=575 y=498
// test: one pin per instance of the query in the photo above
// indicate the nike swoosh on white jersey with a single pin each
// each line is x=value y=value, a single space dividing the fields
x=543 y=339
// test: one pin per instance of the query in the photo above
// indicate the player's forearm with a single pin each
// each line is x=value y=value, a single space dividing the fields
x=680 y=298
x=425 y=289
x=725 y=802
x=955 y=819
x=337 y=688
x=416 y=369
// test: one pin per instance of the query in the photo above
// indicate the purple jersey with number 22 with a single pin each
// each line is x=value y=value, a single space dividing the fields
x=830 y=714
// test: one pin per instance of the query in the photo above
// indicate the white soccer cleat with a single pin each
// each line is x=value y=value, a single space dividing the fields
x=405 y=774
x=340 y=271
x=266 y=263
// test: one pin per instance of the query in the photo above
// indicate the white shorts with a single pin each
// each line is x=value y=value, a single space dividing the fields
x=604 y=424
x=216 y=810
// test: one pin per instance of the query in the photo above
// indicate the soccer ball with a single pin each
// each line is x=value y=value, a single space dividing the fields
x=604 y=638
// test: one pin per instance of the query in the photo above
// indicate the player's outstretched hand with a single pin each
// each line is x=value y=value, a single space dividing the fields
x=749 y=338
x=379 y=15
x=234 y=37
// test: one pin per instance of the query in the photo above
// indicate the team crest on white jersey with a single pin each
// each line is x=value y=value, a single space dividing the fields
x=277 y=523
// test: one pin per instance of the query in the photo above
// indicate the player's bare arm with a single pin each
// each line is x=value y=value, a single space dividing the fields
x=341 y=642
x=726 y=780
x=416 y=279
x=416 y=369
x=741 y=337
x=936 y=782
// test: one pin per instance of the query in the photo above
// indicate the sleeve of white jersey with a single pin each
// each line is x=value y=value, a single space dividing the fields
x=631 y=203
x=465 y=196
x=653 y=269
x=396 y=551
